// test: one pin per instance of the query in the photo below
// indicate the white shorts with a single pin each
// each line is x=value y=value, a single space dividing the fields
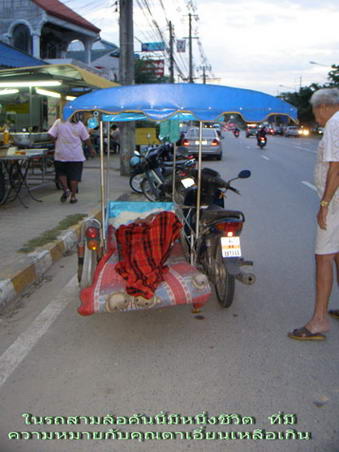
x=327 y=241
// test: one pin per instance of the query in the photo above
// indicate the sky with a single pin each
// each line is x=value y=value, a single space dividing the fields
x=264 y=45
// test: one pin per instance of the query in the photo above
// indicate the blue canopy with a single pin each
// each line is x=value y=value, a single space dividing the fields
x=163 y=101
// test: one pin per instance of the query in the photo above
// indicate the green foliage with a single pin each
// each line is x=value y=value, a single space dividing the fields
x=301 y=99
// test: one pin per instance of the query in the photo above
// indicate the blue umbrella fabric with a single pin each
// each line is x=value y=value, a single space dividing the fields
x=164 y=101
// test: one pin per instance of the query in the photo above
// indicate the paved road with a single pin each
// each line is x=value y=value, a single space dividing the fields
x=54 y=362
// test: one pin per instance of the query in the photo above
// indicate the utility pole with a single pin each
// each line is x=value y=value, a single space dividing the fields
x=171 y=65
x=126 y=77
x=203 y=68
x=190 y=75
x=204 y=75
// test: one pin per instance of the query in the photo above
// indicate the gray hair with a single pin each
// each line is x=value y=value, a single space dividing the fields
x=325 y=96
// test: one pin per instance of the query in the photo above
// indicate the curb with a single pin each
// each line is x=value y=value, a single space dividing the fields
x=20 y=276
x=30 y=269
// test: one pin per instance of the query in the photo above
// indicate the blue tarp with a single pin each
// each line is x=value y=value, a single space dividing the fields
x=11 y=57
x=163 y=101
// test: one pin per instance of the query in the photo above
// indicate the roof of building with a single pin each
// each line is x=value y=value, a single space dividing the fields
x=58 y=9
x=11 y=57
x=81 y=55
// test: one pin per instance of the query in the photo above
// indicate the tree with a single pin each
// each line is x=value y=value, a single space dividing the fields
x=301 y=99
x=333 y=75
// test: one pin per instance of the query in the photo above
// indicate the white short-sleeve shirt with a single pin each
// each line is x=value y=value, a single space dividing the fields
x=328 y=151
x=69 y=135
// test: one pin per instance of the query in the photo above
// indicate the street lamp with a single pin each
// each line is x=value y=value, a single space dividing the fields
x=319 y=64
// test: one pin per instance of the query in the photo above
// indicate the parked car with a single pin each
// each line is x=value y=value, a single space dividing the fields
x=278 y=130
x=251 y=130
x=292 y=131
x=210 y=143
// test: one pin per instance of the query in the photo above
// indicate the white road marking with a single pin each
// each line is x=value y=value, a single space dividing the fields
x=264 y=157
x=309 y=185
x=306 y=149
x=17 y=352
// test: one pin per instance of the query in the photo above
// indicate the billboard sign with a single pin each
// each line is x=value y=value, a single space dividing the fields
x=181 y=45
x=152 y=46
x=155 y=66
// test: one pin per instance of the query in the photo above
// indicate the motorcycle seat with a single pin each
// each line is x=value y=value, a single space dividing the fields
x=210 y=215
x=170 y=163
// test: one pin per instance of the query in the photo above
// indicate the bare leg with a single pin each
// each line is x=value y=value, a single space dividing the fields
x=337 y=265
x=74 y=186
x=63 y=182
x=324 y=281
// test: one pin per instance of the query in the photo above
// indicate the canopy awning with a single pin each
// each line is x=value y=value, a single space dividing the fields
x=164 y=101
x=72 y=77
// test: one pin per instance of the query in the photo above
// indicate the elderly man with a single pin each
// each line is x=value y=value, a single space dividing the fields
x=325 y=103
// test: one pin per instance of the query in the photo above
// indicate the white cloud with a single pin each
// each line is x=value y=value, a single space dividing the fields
x=257 y=44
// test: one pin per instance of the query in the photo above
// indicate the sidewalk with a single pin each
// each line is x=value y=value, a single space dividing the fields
x=18 y=225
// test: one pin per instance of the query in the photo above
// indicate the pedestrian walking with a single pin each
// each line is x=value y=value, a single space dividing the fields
x=325 y=104
x=69 y=155
x=115 y=139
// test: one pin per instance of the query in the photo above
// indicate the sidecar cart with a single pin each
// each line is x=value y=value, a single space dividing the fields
x=108 y=291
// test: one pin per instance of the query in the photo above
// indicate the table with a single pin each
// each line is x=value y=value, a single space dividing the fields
x=13 y=174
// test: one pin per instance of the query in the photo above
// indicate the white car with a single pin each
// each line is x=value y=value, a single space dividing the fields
x=292 y=131
x=210 y=143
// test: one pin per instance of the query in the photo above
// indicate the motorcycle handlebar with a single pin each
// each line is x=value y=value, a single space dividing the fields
x=216 y=181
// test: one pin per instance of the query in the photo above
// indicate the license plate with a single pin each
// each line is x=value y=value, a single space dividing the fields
x=187 y=182
x=202 y=142
x=230 y=247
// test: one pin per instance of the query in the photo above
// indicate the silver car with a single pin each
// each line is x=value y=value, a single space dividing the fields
x=210 y=143
x=292 y=131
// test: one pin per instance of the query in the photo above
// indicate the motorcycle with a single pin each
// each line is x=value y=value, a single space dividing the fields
x=261 y=141
x=236 y=133
x=217 y=248
x=153 y=173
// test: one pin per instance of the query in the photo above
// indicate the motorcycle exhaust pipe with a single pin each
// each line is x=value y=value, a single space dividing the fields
x=246 y=278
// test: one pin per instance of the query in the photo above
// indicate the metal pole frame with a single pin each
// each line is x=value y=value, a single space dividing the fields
x=108 y=125
x=102 y=186
x=198 y=201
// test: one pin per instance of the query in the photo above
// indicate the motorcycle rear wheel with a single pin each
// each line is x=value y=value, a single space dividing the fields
x=224 y=283
x=148 y=192
x=135 y=182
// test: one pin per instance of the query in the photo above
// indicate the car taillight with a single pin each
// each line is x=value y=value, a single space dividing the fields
x=215 y=142
x=92 y=233
x=230 y=228
x=185 y=143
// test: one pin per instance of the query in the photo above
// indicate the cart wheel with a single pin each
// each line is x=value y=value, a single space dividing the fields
x=4 y=186
x=148 y=192
x=88 y=268
x=223 y=281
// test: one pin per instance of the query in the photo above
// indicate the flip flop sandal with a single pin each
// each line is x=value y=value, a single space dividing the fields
x=303 y=334
x=65 y=195
x=334 y=313
x=73 y=200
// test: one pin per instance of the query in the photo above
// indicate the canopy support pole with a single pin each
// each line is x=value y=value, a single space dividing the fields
x=108 y=124
x=197 y=215
x=173 y=171
x=102 y=188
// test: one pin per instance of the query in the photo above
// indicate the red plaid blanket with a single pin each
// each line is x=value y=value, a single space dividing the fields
x=144 y=248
